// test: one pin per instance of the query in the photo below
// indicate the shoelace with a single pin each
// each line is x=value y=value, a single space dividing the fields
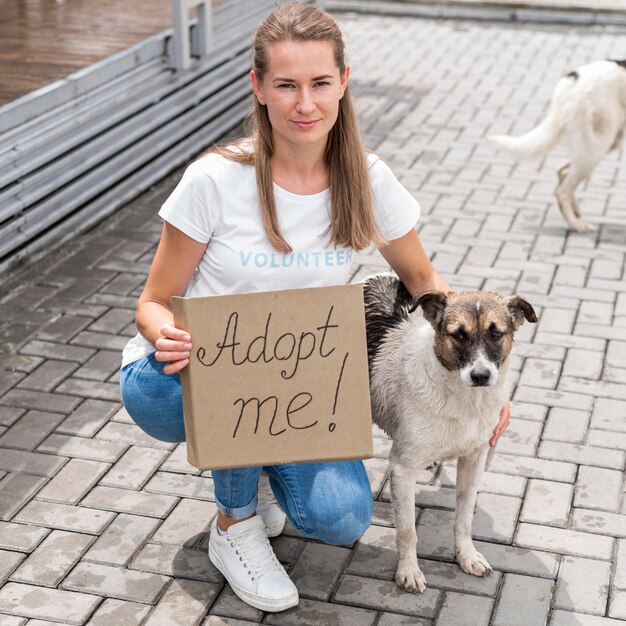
x=255 y=552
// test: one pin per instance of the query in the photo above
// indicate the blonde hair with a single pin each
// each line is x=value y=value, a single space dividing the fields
x=352 y=215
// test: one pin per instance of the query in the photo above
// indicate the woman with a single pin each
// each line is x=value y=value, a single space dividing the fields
x=302 y=182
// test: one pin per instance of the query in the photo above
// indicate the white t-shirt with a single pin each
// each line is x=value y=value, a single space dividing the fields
x=216 y=203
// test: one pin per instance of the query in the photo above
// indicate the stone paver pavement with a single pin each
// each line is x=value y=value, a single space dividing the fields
x=99 y=524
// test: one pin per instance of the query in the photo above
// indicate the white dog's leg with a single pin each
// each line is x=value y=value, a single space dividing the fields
x=408 y=574
x=562 y=173
x=574 y=175
x=587 y=146
x=469 y=472
x=617 y=142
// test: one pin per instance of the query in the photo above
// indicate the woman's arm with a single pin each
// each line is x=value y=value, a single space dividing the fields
x=409 y=261
x=174 y=263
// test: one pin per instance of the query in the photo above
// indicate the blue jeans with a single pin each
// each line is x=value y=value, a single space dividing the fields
x=329 y=501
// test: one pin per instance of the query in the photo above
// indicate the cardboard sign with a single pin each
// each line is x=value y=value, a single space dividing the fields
x=276 y=377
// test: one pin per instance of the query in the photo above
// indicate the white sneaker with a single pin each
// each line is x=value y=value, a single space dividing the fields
x=244 y=556
x=267 y=507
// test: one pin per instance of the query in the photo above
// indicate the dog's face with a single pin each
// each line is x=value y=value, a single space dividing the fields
x=474 y=331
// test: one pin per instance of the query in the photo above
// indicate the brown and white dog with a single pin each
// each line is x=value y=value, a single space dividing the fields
x=438 y=373
x=588 y=116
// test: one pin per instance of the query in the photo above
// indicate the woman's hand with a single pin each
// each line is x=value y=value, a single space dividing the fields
x=173 y=347
x=173 y=266
x=505 y=420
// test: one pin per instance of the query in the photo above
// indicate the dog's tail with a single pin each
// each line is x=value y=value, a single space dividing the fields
x=540 y=140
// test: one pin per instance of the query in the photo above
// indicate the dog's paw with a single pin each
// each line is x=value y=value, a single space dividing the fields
x=582 y=227
x=473 y=562
x=410 y=578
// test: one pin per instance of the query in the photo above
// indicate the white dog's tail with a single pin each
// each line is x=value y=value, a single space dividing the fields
x=543 y=138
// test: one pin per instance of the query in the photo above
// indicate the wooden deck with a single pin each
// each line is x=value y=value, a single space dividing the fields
x=44 y=40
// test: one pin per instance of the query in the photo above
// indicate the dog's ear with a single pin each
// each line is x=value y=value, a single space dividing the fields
x=520 y=310
x=433 y=304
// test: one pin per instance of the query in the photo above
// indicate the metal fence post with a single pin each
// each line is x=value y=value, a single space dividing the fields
x=202 y=41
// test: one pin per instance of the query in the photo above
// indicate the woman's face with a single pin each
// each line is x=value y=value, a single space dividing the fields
x=301 y=89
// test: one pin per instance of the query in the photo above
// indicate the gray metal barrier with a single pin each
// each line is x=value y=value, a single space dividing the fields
x=74 y=152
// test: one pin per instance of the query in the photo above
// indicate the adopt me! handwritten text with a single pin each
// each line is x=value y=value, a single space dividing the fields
x=276 y=377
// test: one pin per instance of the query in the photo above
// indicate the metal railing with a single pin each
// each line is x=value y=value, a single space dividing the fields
x=183 y=47
x=79 y=149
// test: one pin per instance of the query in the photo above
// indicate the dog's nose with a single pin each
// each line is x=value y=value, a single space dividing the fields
x=480 y=376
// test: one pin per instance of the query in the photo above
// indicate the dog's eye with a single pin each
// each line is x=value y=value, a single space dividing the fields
x=495 y=334
x=459 y=335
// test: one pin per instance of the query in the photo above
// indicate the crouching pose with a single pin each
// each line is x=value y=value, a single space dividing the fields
x=301 y=186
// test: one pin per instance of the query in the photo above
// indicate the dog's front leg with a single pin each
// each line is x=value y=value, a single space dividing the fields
x=408 y=574
x=469 y=472
x=574 y=174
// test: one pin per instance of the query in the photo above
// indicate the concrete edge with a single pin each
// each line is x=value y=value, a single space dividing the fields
x=483 y=12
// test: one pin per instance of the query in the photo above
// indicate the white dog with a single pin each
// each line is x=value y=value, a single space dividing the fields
x=438 y=382
x=588 y=116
